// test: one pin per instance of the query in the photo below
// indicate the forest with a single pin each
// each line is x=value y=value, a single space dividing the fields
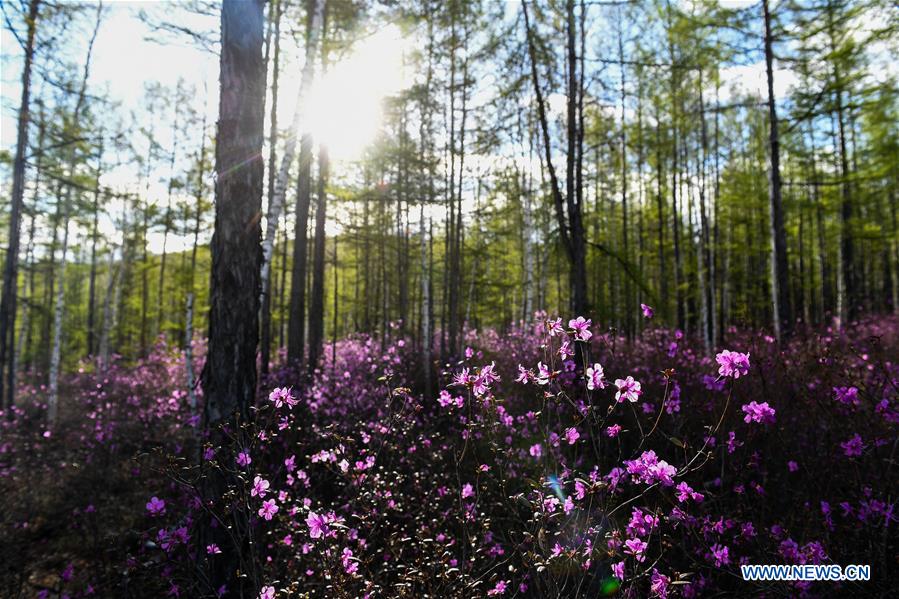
x=449 y=298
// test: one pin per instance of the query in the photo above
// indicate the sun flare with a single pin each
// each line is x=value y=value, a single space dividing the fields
x=345 y=105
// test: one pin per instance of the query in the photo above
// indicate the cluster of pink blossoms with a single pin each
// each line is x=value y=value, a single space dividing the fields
x=649 y=469
x=758 y=412
x=732 y=364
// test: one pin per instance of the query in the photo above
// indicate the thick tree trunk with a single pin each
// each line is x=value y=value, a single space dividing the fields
x=11 y=265
x=229 y=374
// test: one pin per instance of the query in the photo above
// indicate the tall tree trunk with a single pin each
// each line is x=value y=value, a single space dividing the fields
x=229 y=374
x=11 y=265
x=296 y=327
x=317 y=301
x=783 y=317
x=266 y=333
x=55 y=355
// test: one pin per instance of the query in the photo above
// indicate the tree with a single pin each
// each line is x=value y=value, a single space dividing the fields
x=229 y=375
x=783 y=318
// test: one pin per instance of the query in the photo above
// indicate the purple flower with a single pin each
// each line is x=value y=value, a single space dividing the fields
x=213 y=549
x=260 y=487
x=618 y=570
x=581 y=328
x=156 y=506
x=595 y=377
x=628 y=389
x=267 y=592
x=720 y=555
x=612 y=431
x=318 y=525
x=732 y=364
x=649 y=469
x=571 y=435
x=758 y=412
x=648 y=312
x=846 y=395
x=350 y=565
x=499 y=589
x=635 y=547
x=467 y=491
x=658 y=584
x=269 y=509
x=243 y=459
x=853 y=447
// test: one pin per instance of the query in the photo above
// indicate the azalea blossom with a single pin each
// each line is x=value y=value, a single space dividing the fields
x=156 y=506
x=853 y=447
x=269 y=509
x=571 y=435
x=596 y=378
x=732 y=364
x=267 y=592
x=544 y=373
x=213 y=549
x=647 y=311
x=758 y=412
x=581 y=328
x=243 y=459
x=636 y=547
x=554 y=327
x=628 y=389
x=318 y=525
x=260 y=487
x=499 y=589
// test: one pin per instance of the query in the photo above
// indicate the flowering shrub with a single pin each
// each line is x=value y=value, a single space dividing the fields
x=527 y=473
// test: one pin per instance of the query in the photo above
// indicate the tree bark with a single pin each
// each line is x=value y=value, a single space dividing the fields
x=229 y=374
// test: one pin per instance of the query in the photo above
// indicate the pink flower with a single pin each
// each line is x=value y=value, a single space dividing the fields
x=565 y=349
x=269 y=508
x=499 y=589
x=554 y=327
x=213 y=549
x=720 y=555
x=524 y=375
x=758 y=412
x=658 y=584
x=853 y=447
x=581 y=328
x=350 y=566
x=846 y=395
x=318 y=525
x=467 y=491
x=629 y=389
x=595 y=377
x=612 y=431
x=279 y=396
x=267 y=592
x=536 y=450
x=544 y=373
x=647 y=311
x=260 y=487
x=243 y=459
x=618 y=570
x=156 y=506
x=635 y=547
x=571 y=435
x=732 y=364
